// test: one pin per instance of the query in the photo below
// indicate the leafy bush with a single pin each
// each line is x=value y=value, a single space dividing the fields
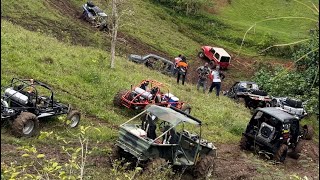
x=301 y=82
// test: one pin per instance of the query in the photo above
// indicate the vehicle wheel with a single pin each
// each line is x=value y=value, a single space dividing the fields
x=201 y=54
x=156 y=165
x=268 y=104
x=308 y=132
x=297 y=150
x=205 y=167
x=117 y=98
x=281 y=154
x=244 y=143
x=116 y=153
x=186 y=108
x=103 y=27
x=74 y=116
x=25 y=125
x=274 y=103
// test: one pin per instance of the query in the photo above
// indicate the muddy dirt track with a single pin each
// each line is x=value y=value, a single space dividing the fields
x=231 y=163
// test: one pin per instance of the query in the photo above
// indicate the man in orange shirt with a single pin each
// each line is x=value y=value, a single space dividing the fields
x=182 y=67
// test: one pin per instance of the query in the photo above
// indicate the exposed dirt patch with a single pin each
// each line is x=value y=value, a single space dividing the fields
x=233 y=163
x=218 y=5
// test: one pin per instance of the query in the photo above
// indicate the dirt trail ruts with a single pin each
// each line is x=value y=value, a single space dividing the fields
x=233 y=163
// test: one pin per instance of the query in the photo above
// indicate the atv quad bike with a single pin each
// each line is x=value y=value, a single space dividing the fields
x=139 y=97
x=292 y=106
x=158 y=136
x=25 y=102
x=95 y=16
x=275 y=133
x=251 y=94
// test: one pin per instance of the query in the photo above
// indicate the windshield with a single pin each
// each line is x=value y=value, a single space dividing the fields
x=225 y=59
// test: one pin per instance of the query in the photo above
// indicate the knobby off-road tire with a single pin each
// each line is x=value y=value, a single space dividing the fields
x=186 y=108
x=274 y=103
x=294 y=103
x=156 y=165
x=307 y=132
x=244 y=143
x=295 y=154
x=117 y=98
x=25 y=125
x=201 y=54
x=74 y=116
x=268 y=104
x=281 y=154
x=116 y=153
x=205 y=167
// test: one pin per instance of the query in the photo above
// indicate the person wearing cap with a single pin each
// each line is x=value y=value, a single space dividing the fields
x=182 y=67
x=203 y=72
x=216 y=76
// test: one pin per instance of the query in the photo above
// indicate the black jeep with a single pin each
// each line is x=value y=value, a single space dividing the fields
x=274 y=132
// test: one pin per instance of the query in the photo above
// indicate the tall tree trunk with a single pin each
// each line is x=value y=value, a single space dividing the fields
x=114 y=32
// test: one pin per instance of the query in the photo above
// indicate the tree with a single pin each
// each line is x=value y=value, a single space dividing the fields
x=118 y=11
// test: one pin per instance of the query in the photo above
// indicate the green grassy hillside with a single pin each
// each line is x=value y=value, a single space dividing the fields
x=92 y=85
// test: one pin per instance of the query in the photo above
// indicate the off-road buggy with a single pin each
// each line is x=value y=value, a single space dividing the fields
x=275 y=133
x=154 y=62
x=158 y=136
x=216 y=56
x=139 y=97
x=95 y=16
x=292 y=106
x=250 y=92
x=25 y=102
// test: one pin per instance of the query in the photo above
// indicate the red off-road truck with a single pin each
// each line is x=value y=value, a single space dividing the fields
x=217 y=56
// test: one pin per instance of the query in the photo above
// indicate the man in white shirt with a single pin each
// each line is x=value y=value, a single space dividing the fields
x=176 y=61
x=216 y=76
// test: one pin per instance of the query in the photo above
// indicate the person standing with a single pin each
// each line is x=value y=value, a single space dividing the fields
x=216 y=76
x=203 y=72
x=176 y=61
x=182 y=67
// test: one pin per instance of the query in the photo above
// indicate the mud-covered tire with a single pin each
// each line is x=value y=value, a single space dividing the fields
x=156 y=165
x=295 y=154
x=25 y=125
x=117 y=98
x=244 y=143
x=201 y=54
x=307 y=132
x=274 y=103
x=74 y=117
x=294 y=103
x=281 y=154
x=204 y=168
x=186 y=108
x=268 y=104
x=259 y=92
x=116 y=153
